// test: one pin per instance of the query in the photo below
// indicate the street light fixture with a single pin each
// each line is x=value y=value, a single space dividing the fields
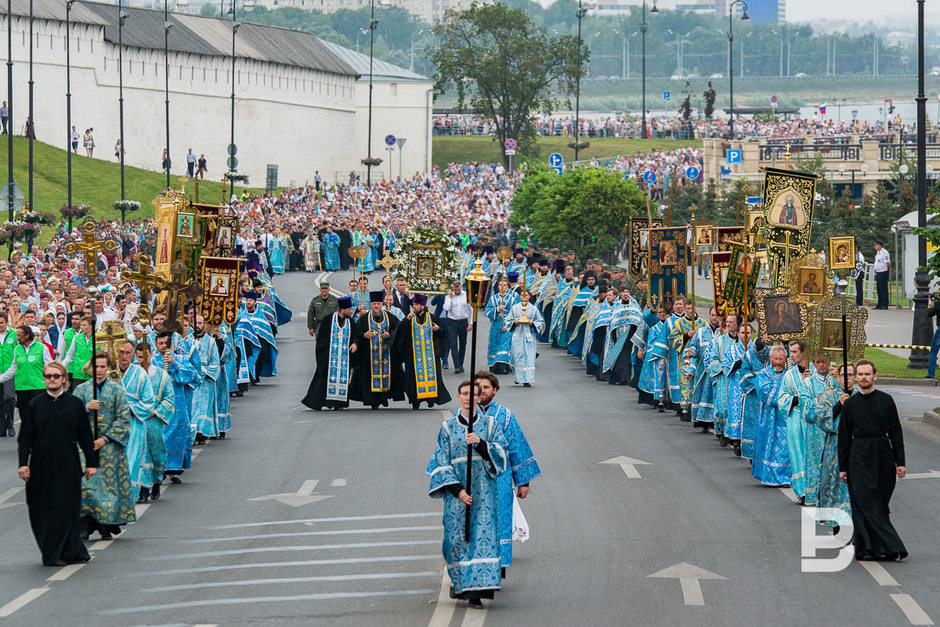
x=249 y=6
x=30 y=125
x=167 y=25
x=373 y=24
x=411 y=66
x=583 y=8
x=122 y=17
x=68 y=103
x=744 y=17
x=643 y=28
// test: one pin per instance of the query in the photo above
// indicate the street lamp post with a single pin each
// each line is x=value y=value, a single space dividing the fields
x=11 y=185
x=166 y=89
x=744 y=16
x=122 y=17
x=643 y=28
x=232 y=150
x=373 y=24
x=411 y=66
x=68 y=103
x=921 y=332
x=30 y=128
x=583 y=8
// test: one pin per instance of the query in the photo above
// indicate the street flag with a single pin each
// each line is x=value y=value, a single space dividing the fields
x=822 y=109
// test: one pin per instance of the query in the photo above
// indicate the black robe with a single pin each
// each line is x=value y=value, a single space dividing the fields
x=621 y=372
x=404 y=345
x=345 y=242
x=316 y=392
x=48 y=435
x=360 y=387
x=871 y=447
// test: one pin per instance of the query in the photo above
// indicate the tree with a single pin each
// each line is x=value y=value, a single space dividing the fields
x=585 y=210
x=506 y=65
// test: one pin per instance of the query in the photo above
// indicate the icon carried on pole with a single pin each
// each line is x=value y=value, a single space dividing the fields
x=390 y=140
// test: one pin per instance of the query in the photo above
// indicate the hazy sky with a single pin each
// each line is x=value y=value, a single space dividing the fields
x=878 y=11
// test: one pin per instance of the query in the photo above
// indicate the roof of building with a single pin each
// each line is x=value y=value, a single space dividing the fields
x=381 y=70
x=195 y=34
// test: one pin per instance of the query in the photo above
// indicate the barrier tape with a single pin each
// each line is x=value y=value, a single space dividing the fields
x=905 y=346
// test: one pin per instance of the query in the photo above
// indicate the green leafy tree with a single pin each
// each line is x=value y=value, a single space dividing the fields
x=506 y=65
x=585 y=210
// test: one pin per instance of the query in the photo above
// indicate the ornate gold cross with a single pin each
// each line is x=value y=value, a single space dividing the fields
x=144 y=281
x=177 y=288
x=388 y=262
x=89 y=246
x=110 y=336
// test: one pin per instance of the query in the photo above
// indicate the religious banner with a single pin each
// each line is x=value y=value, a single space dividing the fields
x=826 y=334
x=789 y=197
x=720 y=263
x=639 y=253
x=809 y=282
x=219 y=278
x=167 y=210
x=727 y=236
x=668 y=256
x=779 y=318
x=740 y=280
x=429 y=260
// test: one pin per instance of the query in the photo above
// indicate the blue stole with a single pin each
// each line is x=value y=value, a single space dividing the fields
x=425 y=362
x=337 y=377
x=379 y=352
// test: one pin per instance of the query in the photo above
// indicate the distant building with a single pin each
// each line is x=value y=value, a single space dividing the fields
x=619 y=7
x=764 y=11
x=421 y=9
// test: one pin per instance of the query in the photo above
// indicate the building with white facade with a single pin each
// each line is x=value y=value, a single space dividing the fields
x=298 y=100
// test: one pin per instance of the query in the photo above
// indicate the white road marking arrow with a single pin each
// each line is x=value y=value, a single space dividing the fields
x=932 y=474
x=688 y=576
x=8 y=495
x=628 y=464
x=303 y=496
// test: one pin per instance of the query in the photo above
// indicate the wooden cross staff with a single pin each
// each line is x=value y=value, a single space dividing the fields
x=144 y=281
x=388 y=262
x=176 y=288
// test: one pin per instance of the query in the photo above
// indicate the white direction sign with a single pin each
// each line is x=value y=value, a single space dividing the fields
x=628 y=464
x=303 y=496
x=688 y=576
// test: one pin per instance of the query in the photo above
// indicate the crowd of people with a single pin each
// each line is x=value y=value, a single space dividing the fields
x=819 y=125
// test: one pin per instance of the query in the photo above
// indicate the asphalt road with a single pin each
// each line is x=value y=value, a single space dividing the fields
x=249 y=538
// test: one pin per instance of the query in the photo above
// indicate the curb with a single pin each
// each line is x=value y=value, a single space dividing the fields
x=908 y=382
x=932 y=418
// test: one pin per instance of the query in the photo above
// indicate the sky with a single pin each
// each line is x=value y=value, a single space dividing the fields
x=898 y=14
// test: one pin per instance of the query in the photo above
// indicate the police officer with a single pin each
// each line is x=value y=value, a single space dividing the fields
x=323 y=304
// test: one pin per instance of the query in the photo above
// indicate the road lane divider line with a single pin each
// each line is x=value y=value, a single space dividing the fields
x=289 y=580
x=445 y=606
x=287 y=564
x=21 y=601
x=879 y=574
x=7 y=495
x=915 y=613
x=66 y=571
x=300 y=534
x=299 y=521
x=287 y=549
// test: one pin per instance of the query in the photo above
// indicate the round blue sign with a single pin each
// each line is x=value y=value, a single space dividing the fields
x=509 y=144
x=650 y=177
x=389 y=140
x=691 y=172
x=556 y=160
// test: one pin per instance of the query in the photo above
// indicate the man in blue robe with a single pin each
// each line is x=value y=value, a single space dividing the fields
x=683 y=331
x=698 y=352
x=653 y=374
x=755 y=360
x=719 y=346
x=473 y=563
x=144 y=464
x=223 y=339
x=820 y=384
x=205 y=413
x=262 y=353
x=577 y=306
x=833 y=492
x=556 y=331
x=795 y=397
x=163 y=407
x=176 y=434
x=336 y=342
x=595 y=332
x=771 y=463
x=731 y=366
x=500 y=338
x=672 y=395
x=330 y=248
x=523 y=324
x=624 y=321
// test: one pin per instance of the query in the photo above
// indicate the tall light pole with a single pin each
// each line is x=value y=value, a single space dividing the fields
x=122 y=16
x=744 y=16
x=643 y=28
x=583 y=8
x=11 y=185
x=30 y=130
x=232 y=150
x=68 y=102
x=921 y=331
x=411 y=66
x=373 y=24
x=166 y=89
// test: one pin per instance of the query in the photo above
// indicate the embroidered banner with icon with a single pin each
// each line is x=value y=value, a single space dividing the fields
x=668 y=258
x=789 y=199
x=219 y=278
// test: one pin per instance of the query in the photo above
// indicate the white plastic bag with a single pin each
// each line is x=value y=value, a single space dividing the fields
x=520 y=526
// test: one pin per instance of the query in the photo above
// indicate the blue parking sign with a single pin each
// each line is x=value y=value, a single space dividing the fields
x=734 y=155
x=666 y=96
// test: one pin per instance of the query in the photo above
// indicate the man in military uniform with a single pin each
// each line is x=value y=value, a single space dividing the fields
x=323 y=304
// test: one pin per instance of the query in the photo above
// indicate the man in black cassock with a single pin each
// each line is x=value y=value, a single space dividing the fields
x=52 y=470
x=363 y=387
x=316 y=397
x=871 y=455
x=404 y=344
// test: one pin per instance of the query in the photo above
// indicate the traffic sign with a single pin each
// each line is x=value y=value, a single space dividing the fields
x=510 y=153
x=773 y=99
x=232 y=163
x=401 y=143
x=558 y=169
x=556 y=160
x=734 y=155
x=389 y=140
x=650 y=177
x=666 y=96
x=754 y=200
x=509 y=144
x=232 y=149
x=692 y=172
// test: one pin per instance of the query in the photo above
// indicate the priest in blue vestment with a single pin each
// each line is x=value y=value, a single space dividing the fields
x=771 y=463
x=145 y=465
x=795 y=397
x=833 y=492
x=720 y=345
x=163 y=408
x=500 y=338
x=754 y=360
x=330 y=248
x=653 y=374
x=336 y=342
x=473 y=563
x=524 y=321
x=819 y=384
x=177 y=434
x=698 y=352
x=205 y=413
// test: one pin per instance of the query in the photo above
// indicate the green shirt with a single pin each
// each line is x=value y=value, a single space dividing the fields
x=81 y=357
x=29 y=364
x=7 y=344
